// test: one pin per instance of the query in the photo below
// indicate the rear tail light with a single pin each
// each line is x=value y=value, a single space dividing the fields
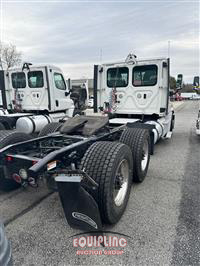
x=9 y=158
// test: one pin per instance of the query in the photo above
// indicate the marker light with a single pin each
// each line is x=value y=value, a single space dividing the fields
x=23 y=173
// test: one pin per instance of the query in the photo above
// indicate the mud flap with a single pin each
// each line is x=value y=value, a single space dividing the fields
x=80 y=208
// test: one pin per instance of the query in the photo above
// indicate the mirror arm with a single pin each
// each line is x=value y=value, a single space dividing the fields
x=67 y=93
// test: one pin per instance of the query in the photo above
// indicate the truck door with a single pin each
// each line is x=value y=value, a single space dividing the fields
x=18 y=83
x=60 y=91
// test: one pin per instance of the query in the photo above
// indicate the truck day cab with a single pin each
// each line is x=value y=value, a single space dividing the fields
x=136 y=90
x=33 y=96
x=92 y=160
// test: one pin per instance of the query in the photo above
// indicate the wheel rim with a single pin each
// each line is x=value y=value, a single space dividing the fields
x=121 y=183
x=145 y=155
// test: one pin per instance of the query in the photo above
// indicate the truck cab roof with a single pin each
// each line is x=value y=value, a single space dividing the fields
x=137 y=61
x=35 y=66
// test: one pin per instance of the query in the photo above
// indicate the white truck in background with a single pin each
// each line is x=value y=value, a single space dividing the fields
x=136 y=90
x=79 y=92
x=91 y=102
x=33 y=96
x=190 y=96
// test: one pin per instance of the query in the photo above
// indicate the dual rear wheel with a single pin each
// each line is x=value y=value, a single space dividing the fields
x=114 y=165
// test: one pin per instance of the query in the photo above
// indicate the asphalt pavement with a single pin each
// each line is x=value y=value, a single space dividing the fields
x=162 y=218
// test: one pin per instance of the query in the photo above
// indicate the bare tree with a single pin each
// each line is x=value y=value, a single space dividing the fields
x=9 y=55
x=1 y=48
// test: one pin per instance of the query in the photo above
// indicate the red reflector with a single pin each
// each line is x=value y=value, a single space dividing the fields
x=34 y=162
x=17 y=178
x=9 y=158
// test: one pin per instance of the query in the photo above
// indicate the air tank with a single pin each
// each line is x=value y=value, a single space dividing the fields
x=35 y=123
x=157 y=131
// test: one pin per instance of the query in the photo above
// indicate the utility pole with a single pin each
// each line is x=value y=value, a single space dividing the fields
x=168 y=49
x=101 y=55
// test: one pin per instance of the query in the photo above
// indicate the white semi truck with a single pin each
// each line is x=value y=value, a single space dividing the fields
x=79 y=92
x=34 y=96
x=92 y=160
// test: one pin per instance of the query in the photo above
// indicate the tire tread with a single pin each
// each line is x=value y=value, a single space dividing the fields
x=98 y=163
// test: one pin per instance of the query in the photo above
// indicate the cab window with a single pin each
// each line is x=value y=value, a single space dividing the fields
x=18 y=80
x=35 y=79
x=117 y=77
x=145 y=75
x=59 y=81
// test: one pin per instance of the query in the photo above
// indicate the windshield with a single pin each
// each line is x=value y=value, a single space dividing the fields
x=59 y=81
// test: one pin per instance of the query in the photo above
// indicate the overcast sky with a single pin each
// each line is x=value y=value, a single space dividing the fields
x=72 y=34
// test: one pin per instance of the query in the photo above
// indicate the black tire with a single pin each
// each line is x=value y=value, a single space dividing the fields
x=50 y=128
x=8 y=122
x=172 y=122
x=101 y=162
x=8 y=137
x=2 y=126
x=136 y=139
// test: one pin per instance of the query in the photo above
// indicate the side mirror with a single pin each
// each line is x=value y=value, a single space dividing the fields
x=67 y=93
x=179 y=82
x=196 y=81
x=164 y=64
x=171 y=93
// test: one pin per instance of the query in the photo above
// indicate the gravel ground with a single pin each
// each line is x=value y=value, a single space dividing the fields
x=162 y=217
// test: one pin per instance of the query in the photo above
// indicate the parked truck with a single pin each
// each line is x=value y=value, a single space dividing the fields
x=79 y=92
x=137 y=90
x=92 y=160
x=34 y=96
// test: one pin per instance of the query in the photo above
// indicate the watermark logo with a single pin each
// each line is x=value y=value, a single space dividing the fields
x=111 y=245
x=84 y=218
